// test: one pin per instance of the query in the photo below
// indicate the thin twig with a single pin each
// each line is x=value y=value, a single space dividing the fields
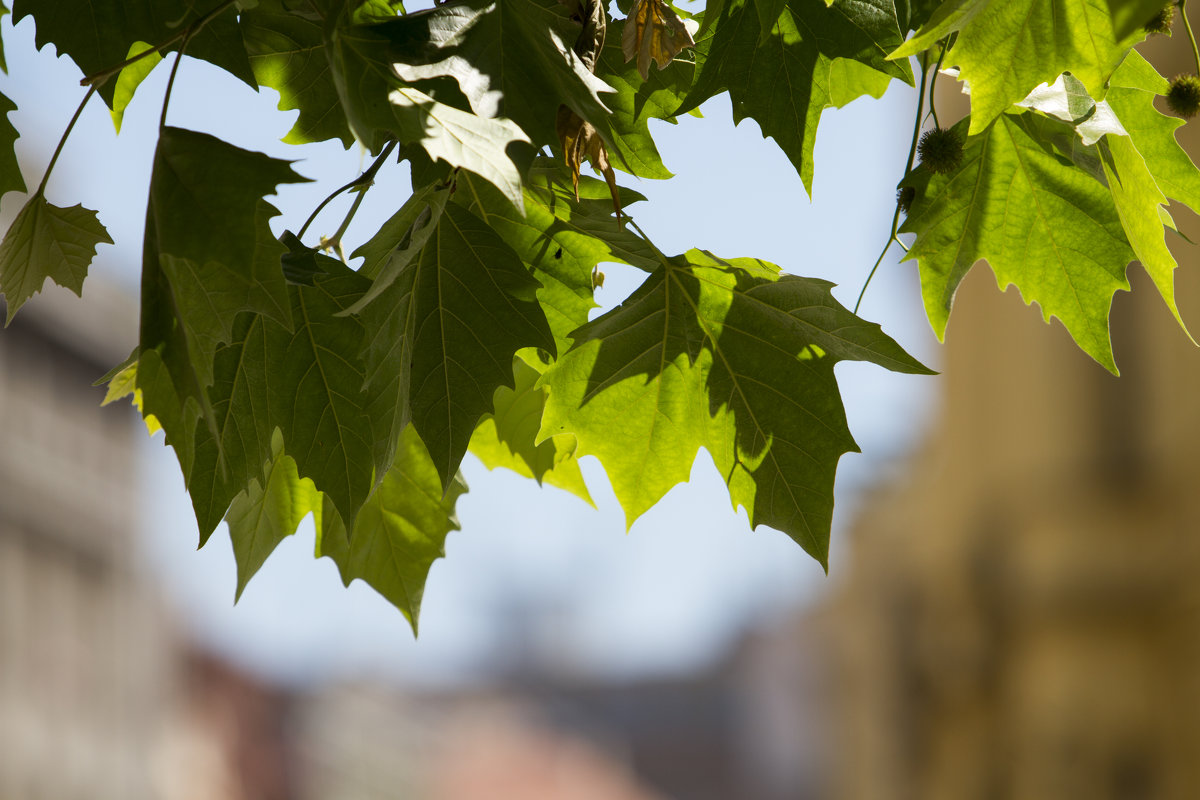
x=1188 y=27
x=912 y=152
x=367 y=177
x=41 y=190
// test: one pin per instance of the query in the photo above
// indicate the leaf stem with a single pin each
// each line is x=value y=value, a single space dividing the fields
x=41 y=190
x=933 y=83
x=1187 y=25
x=367 y=177
x=661 y=256
x=100 y=77
x=912 y=152
x=162 y=120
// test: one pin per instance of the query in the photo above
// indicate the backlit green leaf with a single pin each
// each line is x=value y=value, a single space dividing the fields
x=508 y=437
x=726 y=355
x=130 y=78
x=1006 y=48
x=401 y=531
x=268 y=511
x=1041 y=222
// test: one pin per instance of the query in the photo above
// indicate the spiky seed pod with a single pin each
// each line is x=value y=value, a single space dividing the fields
x=904 y=197
x=941 y=150
x=1161 y=22
x=1184 y=95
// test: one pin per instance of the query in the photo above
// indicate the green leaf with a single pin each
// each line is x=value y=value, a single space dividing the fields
x=508 y=437
x=1043 y=224
x=266 y=513
x=97 y=34
x=510 y=58
x=3 y=12
x=400 y=532
x=287 y=53
x=1006 y=48
x=130 y=78
x=46 y=241
x=316 y=397
x=379 y=108
x=782 y=78
x=209 y=226
x=726 y=355
x=1139 y=204
x=10 y=170
x=1131 y=95
x=452 y=321
x=638 y=101
x=561 y=238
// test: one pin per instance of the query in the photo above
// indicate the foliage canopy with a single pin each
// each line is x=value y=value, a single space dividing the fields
x=290 y=383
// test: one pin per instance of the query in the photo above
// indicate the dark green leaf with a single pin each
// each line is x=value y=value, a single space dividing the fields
x=97 y=34
x=46 y=241
x=782 y=78
x=10 y=170
x=287 y=53
x=452 y=320
x=562 y=239
x=726 y=355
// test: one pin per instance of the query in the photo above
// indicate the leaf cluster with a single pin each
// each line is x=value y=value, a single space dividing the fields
x=292 y=382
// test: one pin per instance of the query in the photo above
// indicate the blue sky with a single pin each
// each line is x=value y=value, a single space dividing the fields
x=535 y=574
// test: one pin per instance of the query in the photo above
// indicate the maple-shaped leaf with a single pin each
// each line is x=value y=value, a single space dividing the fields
x=10 y=170
x=563 y=239
x=1006 y=48
x=639 y=100
x=1131 y=95
x=508 y=437
x=728 y=355
x=400 y=532
x=1042 y=222
x=268 y=511
x=781 y=76
x=441 y=338
x=208 y=226
x=97 y=34
x=287 y=53
x=653 y=31
x=46 y=241
x=510 y=58
x=380 y=108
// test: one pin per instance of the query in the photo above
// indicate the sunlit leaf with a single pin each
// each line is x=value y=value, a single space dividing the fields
x=726 y=355
x=400 y=532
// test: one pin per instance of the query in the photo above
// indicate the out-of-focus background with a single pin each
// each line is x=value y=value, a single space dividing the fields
x=1012 y=609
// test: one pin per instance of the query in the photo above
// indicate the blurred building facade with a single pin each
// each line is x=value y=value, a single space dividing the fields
x=84 y=649
x=1022 y=617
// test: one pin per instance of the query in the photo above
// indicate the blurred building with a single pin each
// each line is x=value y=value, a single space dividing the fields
x=84 y=648
x=1022 y=614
